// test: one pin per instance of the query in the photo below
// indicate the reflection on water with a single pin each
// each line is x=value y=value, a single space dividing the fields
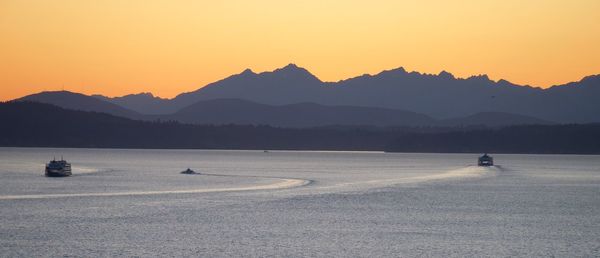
x=281 y=203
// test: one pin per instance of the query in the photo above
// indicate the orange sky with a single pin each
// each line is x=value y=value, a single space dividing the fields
x=117 y=47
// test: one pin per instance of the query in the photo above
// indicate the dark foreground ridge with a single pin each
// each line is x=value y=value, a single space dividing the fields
x=28 y=124
x=540 y=139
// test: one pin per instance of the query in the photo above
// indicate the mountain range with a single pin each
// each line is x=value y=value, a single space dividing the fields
x=292 y=96
x=300 y=115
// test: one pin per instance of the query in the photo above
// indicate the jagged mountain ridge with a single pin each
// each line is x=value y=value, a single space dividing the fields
x=145 y=103
x=441 y=96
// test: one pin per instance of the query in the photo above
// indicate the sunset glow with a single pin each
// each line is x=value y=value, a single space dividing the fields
x=168 y=47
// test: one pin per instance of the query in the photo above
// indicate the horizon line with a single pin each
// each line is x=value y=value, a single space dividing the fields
x=294 y=65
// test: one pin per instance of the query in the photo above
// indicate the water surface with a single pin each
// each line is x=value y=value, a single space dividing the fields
x=285 y=203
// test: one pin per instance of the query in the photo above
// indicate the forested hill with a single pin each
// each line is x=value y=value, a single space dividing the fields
x=542 y=139
x=28 y=124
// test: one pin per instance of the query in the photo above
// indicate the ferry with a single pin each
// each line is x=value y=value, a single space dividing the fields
x=485 y=160
x=58 y=168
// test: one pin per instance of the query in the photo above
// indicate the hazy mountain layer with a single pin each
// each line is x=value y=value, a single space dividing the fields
x=236 y=111
x=76 y=101
x=244 y=112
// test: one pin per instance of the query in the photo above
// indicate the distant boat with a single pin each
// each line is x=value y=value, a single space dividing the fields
x=188 y=171
x=58 y=168
x=485 y=160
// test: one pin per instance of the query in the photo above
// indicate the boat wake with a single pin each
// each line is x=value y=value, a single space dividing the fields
x=470 y=172
x=457 y=174
x=281 y=184
x=85 y=171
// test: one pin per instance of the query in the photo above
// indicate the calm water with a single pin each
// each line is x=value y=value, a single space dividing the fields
x=252 y=203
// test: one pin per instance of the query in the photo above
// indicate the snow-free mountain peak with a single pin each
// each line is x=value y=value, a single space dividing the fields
x=247 y=71
x=292 y=71
x=446 y=75
x=440 y=96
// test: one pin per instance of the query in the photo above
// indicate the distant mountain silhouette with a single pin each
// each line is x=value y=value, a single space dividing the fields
x=244 y=112
x=143 y=103
x=76 y=101
x=236 y=111
x=440 y=96
x=288 y=85
x=575 y=101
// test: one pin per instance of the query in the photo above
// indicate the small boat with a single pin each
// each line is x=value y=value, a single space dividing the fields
x=485 y=160
x=58 y=168
x=188 y=171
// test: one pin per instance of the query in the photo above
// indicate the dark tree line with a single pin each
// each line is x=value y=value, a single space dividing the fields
x=557 y=139
x=27 y=124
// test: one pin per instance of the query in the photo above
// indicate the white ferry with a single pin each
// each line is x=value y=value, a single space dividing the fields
x=58 y=168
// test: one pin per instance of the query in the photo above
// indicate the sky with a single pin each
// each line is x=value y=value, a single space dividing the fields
x=118 y=47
